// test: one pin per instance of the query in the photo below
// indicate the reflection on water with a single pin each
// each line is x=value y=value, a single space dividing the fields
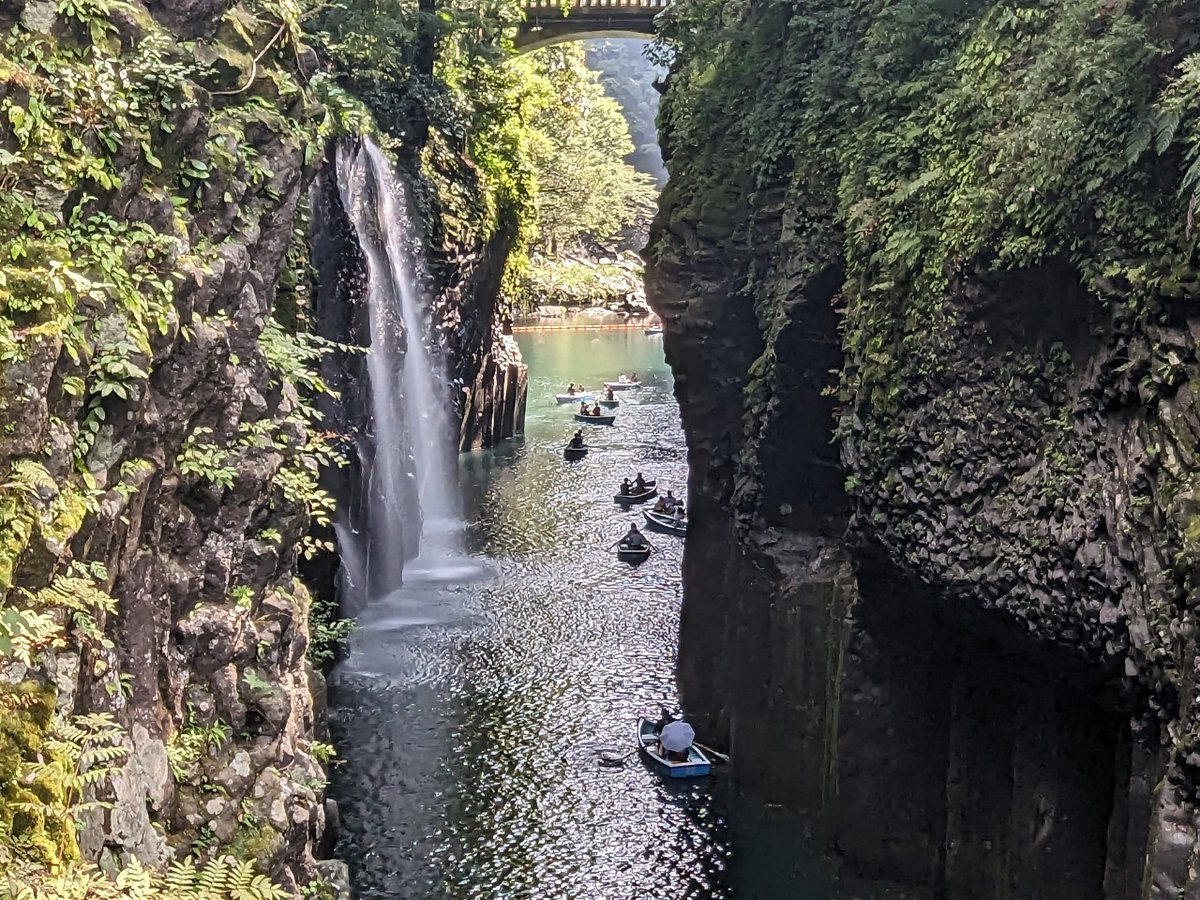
x=470 y=712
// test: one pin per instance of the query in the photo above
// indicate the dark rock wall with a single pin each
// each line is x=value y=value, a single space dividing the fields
x=468 y=265
x=970 y=618
x=944 y=754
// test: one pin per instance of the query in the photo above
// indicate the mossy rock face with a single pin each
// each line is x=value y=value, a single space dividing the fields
x=1010 y=322
x=26 y=711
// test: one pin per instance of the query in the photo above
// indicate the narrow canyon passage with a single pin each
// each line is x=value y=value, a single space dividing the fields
x=473 y=701
x=912 y=286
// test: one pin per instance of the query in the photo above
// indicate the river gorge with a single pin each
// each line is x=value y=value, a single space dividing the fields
x=301 y=597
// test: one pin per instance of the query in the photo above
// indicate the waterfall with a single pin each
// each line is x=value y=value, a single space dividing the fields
x=406 y=370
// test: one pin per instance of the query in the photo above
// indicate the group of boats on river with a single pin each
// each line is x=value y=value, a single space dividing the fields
x=669 y=744
x=668 y=514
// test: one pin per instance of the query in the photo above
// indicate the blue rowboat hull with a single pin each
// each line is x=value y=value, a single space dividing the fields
x=595 y=420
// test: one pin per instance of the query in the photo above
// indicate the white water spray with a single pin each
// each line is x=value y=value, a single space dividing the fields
x=407 y=374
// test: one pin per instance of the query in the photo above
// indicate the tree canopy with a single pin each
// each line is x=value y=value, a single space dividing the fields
x=578 y=144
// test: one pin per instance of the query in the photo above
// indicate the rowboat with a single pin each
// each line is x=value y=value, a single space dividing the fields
x=622 y=385
x=664 y=522
x=572 y=398
x=696 y=765
x=595 y=420
x=635 y=498
x=654 y=329
x=570 y=452
x=632 y=554
x=610 y=404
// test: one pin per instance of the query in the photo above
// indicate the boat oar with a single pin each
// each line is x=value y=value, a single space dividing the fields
x=609 y=757
x=723 y=757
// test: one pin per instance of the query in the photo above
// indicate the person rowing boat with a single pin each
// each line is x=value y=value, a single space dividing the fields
x=667 y=504
x=634 y=539
x=675 y=740
x=577 y=440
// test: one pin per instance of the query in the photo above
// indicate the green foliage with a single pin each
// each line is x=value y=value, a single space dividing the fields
x=206 y=459
x=26 y=834
x=221 y=878
x=927 y=142
x=188 y=744
x=322 y=752
x=574 y=281
x=578 y=141
x=628 y=77
x=242 y=596
x=327 y=631
x=255 y=682
x=76 y=754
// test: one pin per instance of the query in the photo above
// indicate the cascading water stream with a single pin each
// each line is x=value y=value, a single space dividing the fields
x=407 y=381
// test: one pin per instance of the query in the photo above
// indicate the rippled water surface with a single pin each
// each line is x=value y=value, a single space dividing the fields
x=473 y=704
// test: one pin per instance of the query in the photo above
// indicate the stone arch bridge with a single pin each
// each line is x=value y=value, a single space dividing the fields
x=545 y=23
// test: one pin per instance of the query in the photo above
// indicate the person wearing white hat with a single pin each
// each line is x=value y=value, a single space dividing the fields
x=676 y=740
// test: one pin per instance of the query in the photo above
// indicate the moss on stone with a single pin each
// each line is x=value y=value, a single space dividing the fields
x=26 y=712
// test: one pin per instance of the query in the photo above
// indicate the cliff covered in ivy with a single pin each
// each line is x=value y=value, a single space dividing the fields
x=929 y=276
x=163 y=438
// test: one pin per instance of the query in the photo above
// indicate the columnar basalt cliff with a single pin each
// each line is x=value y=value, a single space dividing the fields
x=928 y=297
x=161 y=441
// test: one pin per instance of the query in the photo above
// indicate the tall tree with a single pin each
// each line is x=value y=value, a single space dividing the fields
x=579 y=141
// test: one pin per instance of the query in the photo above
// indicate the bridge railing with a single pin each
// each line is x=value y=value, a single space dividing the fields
x=585 y=6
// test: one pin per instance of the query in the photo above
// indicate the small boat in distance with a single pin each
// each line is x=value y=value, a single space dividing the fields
x=570 y=452
x=645 y=495
x=609 y=404
x=632 y=554
x=595 y=420
x=664 y=522
x=622 y=385
x=577 y=397
x=696 y=765
x=654 y=329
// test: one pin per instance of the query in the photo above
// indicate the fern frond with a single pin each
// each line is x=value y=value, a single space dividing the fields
x=1139 y=140
x=1165 y=128
x=30 y=478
